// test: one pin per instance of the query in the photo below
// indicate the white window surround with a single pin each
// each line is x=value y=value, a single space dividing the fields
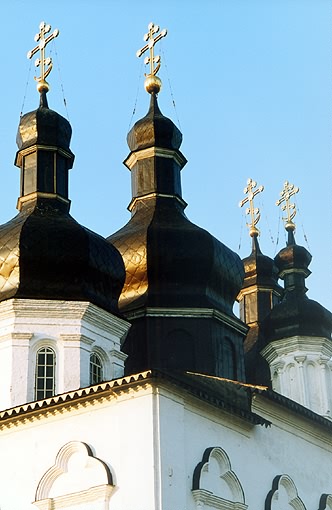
x=325 y=502
x=215 y=485
x=37 y=343
x=97 y=368
x=42 y=387
x=283 y=493
x=76 y=481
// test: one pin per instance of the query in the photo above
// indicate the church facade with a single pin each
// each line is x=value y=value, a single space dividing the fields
x=127 y=381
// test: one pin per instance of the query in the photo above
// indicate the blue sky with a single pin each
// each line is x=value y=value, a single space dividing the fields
x=251 y=81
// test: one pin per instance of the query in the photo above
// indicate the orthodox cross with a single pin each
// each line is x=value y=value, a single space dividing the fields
x=42 y=61
x=152 y=59
x=288 y=191
x=251 y=192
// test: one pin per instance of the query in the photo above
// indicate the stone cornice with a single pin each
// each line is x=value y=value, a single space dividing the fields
x=297 y=345
x=42 y=310
x=151 y=152
x=200 y=313
x=85 y=397
x=77 y=398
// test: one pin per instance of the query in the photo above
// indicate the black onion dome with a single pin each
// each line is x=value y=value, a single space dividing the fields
x=172 y=262
x=181 y=282
x=293 y=257
x=259 y=268
x=44 y=252
x=154 y=130
x=44 y=126
x=259 y=293
x=296 y=314
x=169 y=260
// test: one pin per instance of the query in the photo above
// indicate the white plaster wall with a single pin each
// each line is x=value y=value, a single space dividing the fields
x=73 y=329
x=152 y=441
x=257 y=454
x=120 y=433
x=301 y=369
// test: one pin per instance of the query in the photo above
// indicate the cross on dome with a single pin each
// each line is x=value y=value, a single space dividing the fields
x=288 y=191
x=44 y=63
x=152 y=82
x=251 y=192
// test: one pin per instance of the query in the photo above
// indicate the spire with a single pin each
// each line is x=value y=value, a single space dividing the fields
x=254 y=213
x=45 y=64
x=51 y=256
x=181 y=282
x=296 y=314
x=43 y=140
x=153 y=82
x=284 y=201
x=292 y=261
x=298 y=329
x=259 y=293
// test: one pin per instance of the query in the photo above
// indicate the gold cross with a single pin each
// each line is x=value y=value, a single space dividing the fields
x=152 y=59
x=254 y=212
x=42 y=61
x=288 y=191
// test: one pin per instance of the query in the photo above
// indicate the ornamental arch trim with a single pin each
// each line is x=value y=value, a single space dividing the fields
x=71 y=461
x=283 y=486
x=215 y=484
x=325 y=502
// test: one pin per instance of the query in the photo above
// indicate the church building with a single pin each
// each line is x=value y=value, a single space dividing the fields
x=126 y=379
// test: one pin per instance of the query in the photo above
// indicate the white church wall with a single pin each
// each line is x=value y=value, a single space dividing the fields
x=152 y=440
x=72 y=329
x=119 y=432
x=301 y=369
x=289 y=447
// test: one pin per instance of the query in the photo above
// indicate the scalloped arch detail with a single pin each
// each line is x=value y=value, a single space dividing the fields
x=75 y=469
x=325 y=502
x=215 y=483
x=283 y=492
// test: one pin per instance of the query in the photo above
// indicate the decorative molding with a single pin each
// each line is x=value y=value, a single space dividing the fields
x=206 y=498
x=325 y=502
x=152 y=152
x=41 y=309
x=61 y=468
x=20 y=338
x=100 y=494
x=76 y=398
x=282 y=486
x=155 y=195
x=224 y=473
x=75 y=339
x=297 y=345
x=121 y=356
x=200 y=313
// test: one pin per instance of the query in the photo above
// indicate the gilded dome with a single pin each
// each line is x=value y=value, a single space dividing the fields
x=44 y=252
x=181 y=282
x=296 y=314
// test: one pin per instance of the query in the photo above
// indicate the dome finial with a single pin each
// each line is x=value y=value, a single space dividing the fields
x=42 y=85
x=250 y=191
x=288 y=191
x=152 y=83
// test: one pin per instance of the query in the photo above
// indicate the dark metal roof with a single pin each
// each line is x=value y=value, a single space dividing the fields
x=294 y=407
x=44 y=252
x=230 y=396
x=172 y=263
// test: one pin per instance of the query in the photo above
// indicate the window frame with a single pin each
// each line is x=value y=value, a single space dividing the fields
x=93 y=379
x=46 y=375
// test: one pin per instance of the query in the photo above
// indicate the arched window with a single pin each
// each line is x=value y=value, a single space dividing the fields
x=45 y=373
x=96 y=369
